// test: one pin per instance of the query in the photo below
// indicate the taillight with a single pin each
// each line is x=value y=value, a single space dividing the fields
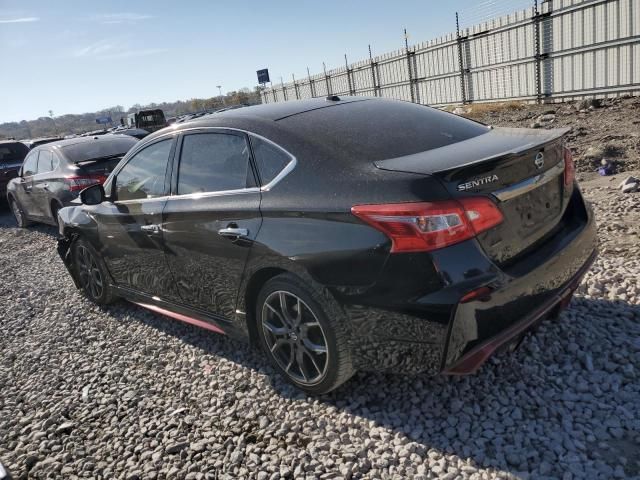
x=420 y=227
x=78 y=183
x=569 y=168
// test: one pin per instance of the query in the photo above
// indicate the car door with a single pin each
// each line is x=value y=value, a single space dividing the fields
x=40 y=192
x=130 y=225
x=24 y=188
x=212 y=219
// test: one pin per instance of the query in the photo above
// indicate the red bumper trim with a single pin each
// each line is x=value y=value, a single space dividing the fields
x=181 y=317
x=471 y=361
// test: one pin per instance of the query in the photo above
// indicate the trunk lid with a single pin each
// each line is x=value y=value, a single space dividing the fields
x=521 y=169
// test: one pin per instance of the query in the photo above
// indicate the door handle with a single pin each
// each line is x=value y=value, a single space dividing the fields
x=233 y=232
x=150 y=228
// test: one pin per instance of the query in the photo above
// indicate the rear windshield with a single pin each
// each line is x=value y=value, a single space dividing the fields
x=381 y=129
x=102 y=148
x=13 y=152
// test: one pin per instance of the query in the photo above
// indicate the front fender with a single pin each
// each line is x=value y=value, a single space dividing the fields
x=73 y=222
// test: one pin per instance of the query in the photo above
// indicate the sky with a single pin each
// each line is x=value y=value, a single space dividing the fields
x=78 y=56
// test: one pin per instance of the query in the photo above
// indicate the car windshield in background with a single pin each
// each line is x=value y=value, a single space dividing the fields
x=82 y=152
x=12 y=152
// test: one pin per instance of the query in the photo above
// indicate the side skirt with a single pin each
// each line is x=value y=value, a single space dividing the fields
x=182 y=313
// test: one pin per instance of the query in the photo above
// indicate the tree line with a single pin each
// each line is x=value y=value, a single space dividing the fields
x=79 y=123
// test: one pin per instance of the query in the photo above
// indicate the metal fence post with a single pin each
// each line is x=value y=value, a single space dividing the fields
x=460 y=40
x=284 y=90
x=327 y=80
x=312 y=87
x=539 y=56
x=295 y=86
x=273 y=91
x=409 y=69
x=349 y=80
x=374 y=65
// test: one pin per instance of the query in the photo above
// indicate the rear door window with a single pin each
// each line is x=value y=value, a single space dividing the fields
x=45 y=161
x=213 y=162
x=30 y=166
x=144 y=174
x=270 y=159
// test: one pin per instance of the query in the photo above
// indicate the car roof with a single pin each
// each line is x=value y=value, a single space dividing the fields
x=256 y=116
x=80 y=140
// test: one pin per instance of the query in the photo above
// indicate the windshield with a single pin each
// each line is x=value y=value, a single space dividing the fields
x=103 y=148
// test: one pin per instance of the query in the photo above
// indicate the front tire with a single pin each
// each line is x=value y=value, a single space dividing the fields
x=91 y=273
x=18 y=214
x=303 y=334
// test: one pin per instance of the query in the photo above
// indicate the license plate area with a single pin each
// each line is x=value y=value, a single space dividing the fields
x=536 y=209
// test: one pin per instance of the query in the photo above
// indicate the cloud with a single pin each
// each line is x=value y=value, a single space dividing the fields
x=95 y=49
x=123 y=17
x=105 y=49
x=136 y=53
x=21 y=20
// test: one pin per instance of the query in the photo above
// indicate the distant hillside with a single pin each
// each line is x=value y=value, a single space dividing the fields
x=79 y=123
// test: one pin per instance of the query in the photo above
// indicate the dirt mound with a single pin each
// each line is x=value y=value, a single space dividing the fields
x=601 y=129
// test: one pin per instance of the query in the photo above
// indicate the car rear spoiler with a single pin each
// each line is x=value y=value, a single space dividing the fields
x=497 y=142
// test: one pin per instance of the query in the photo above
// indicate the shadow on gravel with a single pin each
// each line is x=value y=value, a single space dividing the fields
x=8 y=221
x=553 y=406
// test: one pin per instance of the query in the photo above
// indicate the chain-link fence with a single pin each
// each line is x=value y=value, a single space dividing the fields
x=550 y=50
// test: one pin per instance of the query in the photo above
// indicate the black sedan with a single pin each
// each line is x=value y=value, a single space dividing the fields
x=54 y=173
x=340 y=234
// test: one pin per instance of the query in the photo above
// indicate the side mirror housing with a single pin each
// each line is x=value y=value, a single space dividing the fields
x=93 y=195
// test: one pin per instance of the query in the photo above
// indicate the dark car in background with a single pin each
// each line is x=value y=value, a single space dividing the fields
x=138 y=133
x=340 y=234
x=53 y=174
x=32 y=143
x=12 y=155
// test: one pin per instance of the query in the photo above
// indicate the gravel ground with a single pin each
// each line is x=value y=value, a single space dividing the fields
x=124 y=393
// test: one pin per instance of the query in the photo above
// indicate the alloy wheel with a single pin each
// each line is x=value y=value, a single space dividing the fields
x=89 y=273
x=295 y=338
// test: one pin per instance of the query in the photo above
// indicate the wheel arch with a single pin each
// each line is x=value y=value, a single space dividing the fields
x=54 y=202
x=252 y=290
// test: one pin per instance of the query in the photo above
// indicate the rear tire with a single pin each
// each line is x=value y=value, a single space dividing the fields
x=91 y=274
x=304 y=335
x=18 y=214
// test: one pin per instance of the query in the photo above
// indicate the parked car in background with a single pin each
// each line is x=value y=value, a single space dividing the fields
x=32 y=143
x=53 y=174
x=341 y=234
x=12 y=155
x=138 y=133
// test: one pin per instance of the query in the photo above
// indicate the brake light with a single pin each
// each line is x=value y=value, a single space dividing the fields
x=426 y=226
x=78 y=183
x=569 y=168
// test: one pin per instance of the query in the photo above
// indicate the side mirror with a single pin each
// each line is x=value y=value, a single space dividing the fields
x=93 y=195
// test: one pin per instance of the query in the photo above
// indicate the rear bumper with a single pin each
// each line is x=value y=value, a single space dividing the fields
x=471 y=361
x=413 y=321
